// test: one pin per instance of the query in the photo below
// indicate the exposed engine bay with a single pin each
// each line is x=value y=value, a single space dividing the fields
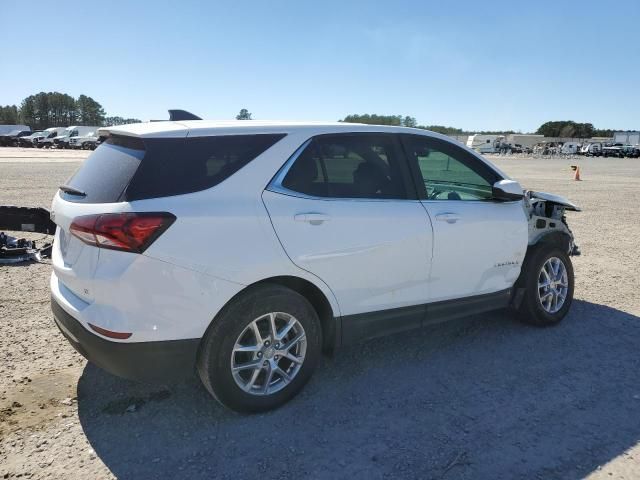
x=546 y=214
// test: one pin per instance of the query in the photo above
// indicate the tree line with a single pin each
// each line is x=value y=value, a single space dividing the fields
x=55 y=109
x=408 y=121
x=569 y=128
x=562 y=128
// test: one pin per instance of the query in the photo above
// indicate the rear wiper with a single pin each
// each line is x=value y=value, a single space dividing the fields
x=72 y=191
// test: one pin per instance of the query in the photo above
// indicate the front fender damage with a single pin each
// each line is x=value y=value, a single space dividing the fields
x=548 y=222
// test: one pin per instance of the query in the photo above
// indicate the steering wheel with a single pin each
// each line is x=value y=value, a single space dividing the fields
x=443 y=195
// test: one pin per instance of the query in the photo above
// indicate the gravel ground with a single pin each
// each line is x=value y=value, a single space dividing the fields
x=483 y=397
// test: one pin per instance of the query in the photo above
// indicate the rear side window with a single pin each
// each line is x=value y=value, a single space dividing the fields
x=350 y=166
x=128 y=168
x=177 y=166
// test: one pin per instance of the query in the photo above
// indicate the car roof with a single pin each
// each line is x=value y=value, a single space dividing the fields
x=195 y=128
x=203 y=128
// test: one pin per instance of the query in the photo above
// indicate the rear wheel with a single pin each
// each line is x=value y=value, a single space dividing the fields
x=261 y=349
x=547 y=279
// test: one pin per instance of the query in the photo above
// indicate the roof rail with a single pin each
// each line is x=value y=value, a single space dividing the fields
x=177 y=115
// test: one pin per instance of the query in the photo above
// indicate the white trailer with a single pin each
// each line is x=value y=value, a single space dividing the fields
x=593 y=149
x=485 y=143
x=570 y=148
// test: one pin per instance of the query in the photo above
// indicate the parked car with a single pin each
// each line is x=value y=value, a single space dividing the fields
x=631 y=151
x=27 y=140
x=85 y=142
x=10 y=139
x=62 y=141
x=613 y=150
x=509 y=148
x=46 y=141
x=243 y=250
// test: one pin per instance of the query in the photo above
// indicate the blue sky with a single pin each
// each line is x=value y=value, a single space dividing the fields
x=468 y=64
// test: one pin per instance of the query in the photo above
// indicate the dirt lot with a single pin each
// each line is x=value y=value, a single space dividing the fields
x=483 y=397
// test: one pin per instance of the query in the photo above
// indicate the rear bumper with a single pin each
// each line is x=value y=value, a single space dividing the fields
x=159 y=361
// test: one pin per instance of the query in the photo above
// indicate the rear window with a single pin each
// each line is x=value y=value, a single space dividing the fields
x=105 y=174
x=127 y=168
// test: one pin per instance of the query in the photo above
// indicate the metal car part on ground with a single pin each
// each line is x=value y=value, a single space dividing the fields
x=24 y=219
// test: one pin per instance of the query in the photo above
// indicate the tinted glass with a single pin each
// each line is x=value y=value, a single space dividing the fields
x=105 y=174
x=128 y=168
x=349 y=166
x=447 y=171
x=177 y=166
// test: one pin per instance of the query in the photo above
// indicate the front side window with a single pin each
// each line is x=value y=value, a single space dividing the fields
x=350 y=166
x=447 y=171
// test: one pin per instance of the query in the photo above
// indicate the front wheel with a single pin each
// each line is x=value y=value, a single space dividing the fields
x=261 y=349
x=547 y=279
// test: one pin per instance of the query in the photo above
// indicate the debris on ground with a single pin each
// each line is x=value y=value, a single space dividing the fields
x=24 y=219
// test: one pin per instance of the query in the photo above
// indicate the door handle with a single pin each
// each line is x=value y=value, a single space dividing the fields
x=312 y=218
x=448 y=217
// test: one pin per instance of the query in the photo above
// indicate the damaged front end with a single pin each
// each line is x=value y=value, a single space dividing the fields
x=547 y=220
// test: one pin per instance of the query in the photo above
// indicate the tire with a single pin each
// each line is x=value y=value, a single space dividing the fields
x=234 y=327
x=532 y=309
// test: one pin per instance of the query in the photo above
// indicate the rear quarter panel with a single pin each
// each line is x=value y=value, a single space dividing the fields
x=225 y=232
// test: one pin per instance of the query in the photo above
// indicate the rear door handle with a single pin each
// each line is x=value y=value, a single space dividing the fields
x=312 y=218
x=448 y=217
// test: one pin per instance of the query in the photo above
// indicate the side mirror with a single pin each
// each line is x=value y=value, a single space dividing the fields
x=507 y=191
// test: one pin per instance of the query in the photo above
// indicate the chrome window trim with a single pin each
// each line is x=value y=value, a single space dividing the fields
x=276 y=182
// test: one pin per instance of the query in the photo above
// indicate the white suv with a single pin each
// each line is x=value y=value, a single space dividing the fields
x=244 y=249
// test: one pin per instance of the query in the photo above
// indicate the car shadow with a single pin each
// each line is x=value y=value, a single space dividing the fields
x=483 y=397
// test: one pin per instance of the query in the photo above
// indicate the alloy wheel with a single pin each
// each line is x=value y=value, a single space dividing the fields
x=553 y=285
x=269 y=353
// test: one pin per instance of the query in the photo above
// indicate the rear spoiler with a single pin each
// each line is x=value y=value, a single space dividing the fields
x=175 y=115
x=178 y=115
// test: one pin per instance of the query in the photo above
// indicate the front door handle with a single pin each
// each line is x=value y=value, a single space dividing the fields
x=312 y=218
x=448 y=217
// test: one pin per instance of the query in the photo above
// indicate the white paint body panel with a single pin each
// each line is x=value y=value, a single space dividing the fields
x=369 y=255
x=374 y=254
x=480 y=248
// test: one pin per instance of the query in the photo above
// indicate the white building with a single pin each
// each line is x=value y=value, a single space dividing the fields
x=627 y=138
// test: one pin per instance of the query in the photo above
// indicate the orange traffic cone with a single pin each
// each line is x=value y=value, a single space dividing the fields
x=576 y=176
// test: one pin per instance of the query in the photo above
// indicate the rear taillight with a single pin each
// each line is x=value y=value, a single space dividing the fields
x=130 y=232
